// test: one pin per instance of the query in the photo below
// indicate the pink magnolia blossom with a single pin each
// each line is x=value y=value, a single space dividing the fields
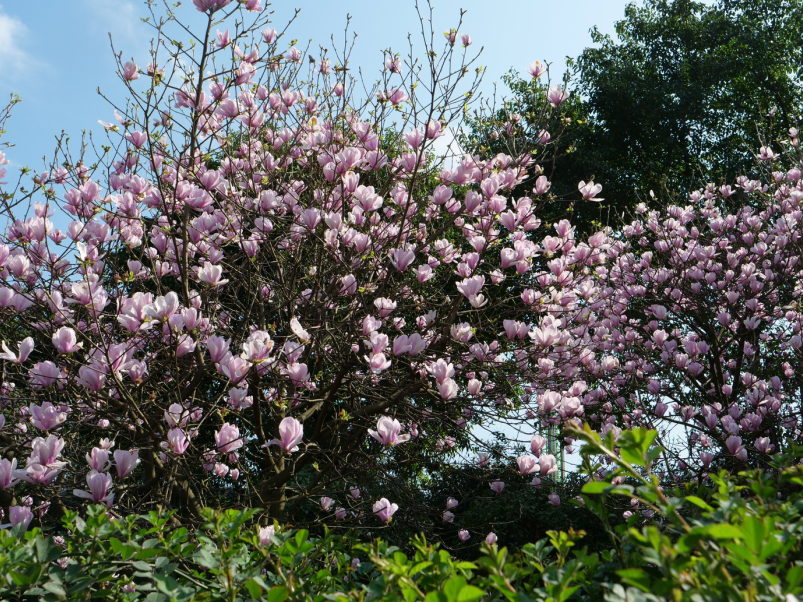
x=130 y=71
x=211 y=275
x=556 y=95
x=554 y=499
x=497 y=486
x=491 y=538
x=228 y=438
x=177 y=442
x=210 y=5
x=20 y=515
x=99 y=485
x=463 y=535
x=536 y=69
x=589 y=191
x=8 y=468
x=548 y=464
x=65 y=341
x=266 y=535
x=125 y=462
x=388 y=432
x=537 y=443
x=46 y=417
x=25 y=347
x=384 y=509
x=291 y=432
x=527 y=464
x=98 y=459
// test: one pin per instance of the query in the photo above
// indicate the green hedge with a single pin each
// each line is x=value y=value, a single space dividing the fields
x=727 y=538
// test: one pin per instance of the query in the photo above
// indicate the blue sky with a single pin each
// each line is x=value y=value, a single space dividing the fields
x=55 y=54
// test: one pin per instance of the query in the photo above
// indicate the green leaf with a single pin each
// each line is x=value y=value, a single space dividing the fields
x=452 y=587
x=254 y=589
x=142 y=566
x=721 y=531
x=55 y=588
x=634 y=445
x=699 y=502
x=277 y=594
x=46 y=550
x=165 y=583
x=754 y=533
x=635 y=577
x=470 y=594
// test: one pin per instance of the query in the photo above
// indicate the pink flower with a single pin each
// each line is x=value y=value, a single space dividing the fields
x=65 y=341
x=527 y=464
x=130 y=71
x=355 y=492
x=536 y=69
x=401 y=259
x=125 y=462
x=210 y=5
x=763 y=445
x=556 y=95
x=448 y=516
x=498 y=486
x=397 y=96
x=7 y=473
x=554 y=499
x=327 y=503
x=388 y=432
x=20 y=515
x=734 y=444
x=448 y=389
x=25 y=347
x=384 y=509
x=466 y=39
x=218 y=347
x=291 y=432
x=46 y=416
x=99 y=485
x=589 y=190
x=547 y=464
x=491 y=538
x=537 y=443
x=451 y=503
x=266 y=535
x=98 y=459
x=210 y=274
x=177 y=442
x=463 y=535
x=228 y=438
x=340 y=513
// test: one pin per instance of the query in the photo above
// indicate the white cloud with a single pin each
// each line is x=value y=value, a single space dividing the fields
x=14 y=60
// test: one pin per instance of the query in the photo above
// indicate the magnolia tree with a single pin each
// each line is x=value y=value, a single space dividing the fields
x=268 y=292
x=263 y=285
x=694 y=321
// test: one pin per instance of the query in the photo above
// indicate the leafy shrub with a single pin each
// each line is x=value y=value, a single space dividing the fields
x=726 y=538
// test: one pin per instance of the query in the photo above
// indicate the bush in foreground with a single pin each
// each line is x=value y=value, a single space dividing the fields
x=732 y=538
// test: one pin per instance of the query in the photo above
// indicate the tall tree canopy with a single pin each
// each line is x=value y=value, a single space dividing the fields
x=682 y=96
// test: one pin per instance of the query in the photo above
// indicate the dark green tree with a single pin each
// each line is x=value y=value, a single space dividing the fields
x=683 y=95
